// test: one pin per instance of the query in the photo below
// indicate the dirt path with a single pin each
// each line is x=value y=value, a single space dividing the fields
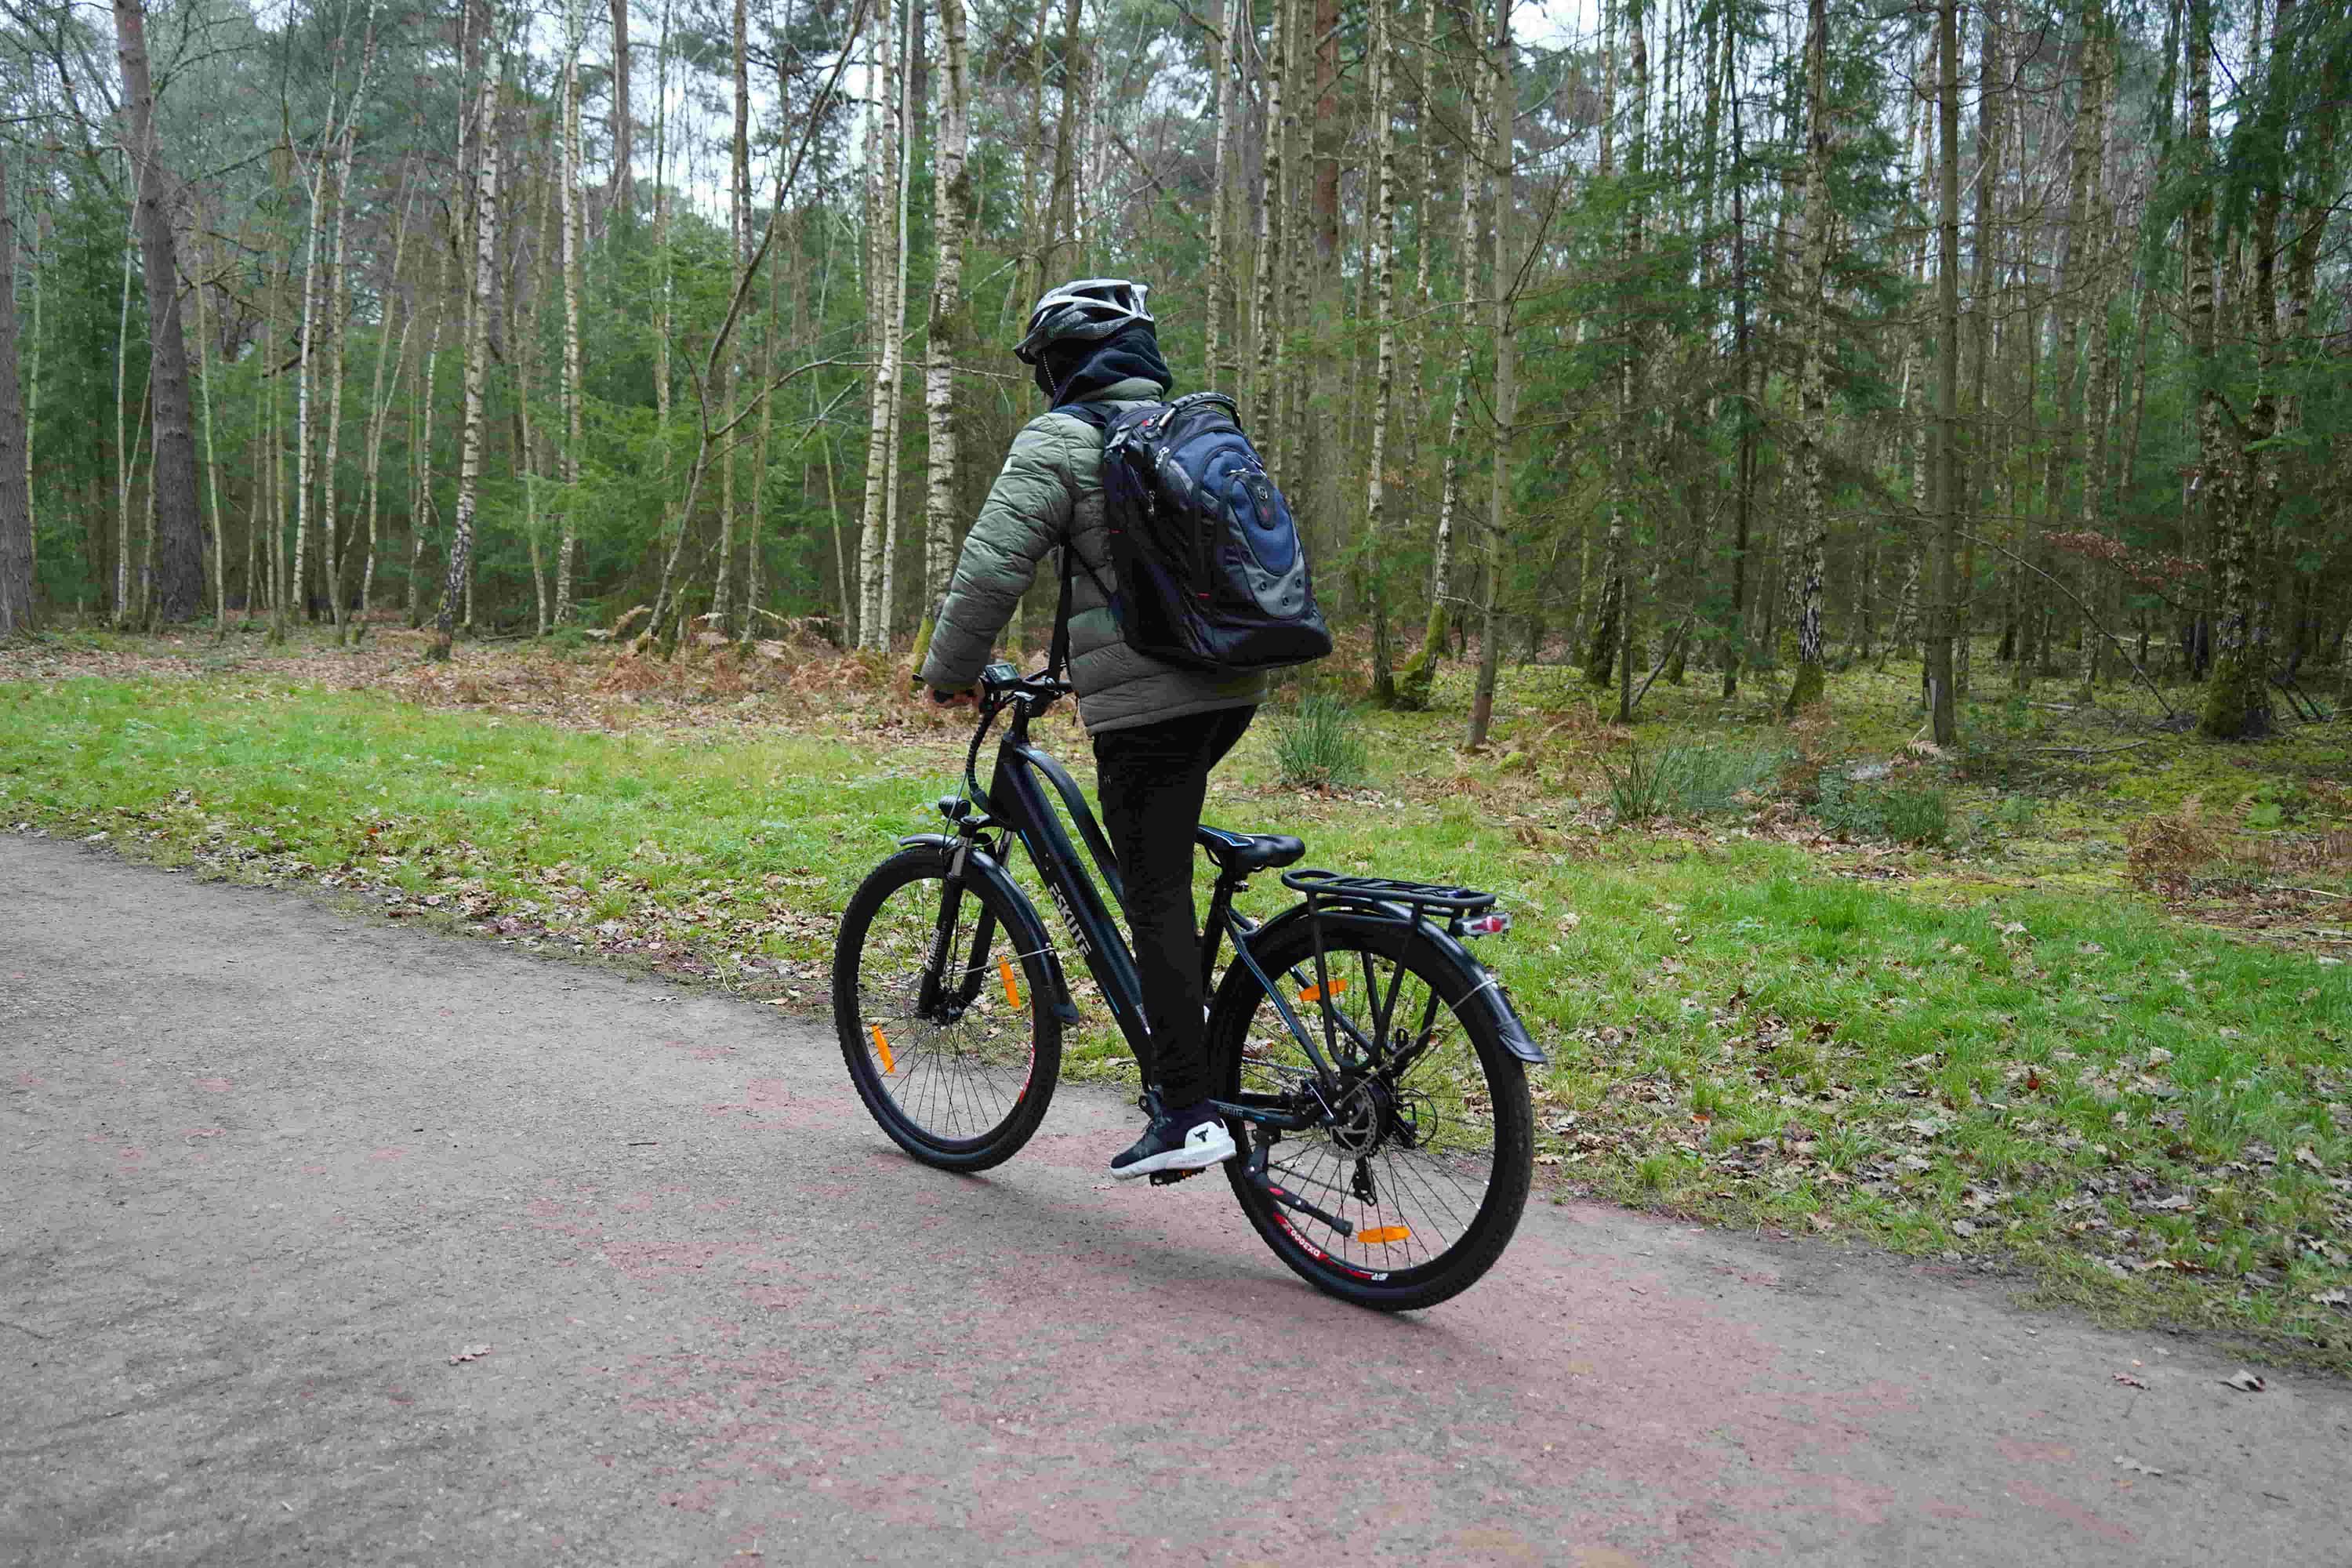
x=269 y=1171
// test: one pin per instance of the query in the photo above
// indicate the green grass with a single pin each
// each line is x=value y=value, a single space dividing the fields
x=1951 y=1062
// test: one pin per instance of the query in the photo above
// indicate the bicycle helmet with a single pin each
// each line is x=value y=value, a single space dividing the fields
x=1086 y=310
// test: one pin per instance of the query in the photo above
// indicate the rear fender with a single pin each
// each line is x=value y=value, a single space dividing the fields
x=1485 y=992
x=1029 y=932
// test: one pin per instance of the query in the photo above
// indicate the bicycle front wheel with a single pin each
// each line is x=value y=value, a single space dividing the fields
x=948 y=1028
x=1428 y=1153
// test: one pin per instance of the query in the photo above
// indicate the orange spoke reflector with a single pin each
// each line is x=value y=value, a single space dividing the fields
x=1012 y=986
x=1384 y=1236
x=1314 y=993
x=882 y=1049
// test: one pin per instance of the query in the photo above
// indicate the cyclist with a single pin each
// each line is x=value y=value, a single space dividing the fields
x=1157 y=728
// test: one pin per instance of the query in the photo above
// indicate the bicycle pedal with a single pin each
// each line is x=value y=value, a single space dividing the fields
x=1162 y=1178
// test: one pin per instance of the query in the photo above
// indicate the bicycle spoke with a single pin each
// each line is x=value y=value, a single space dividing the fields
x=955 y=1079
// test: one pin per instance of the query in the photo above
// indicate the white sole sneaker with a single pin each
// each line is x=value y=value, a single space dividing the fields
x=1208 y=1144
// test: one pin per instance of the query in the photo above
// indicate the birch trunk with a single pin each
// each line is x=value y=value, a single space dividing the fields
x=1221 y=334
x=739 y=229
x=1609 y=615
x=873 y=610
x=477 y=330
x=1421 y=670
x=380 y=406
x=331 y=321
x=122 y=431
x=15 y=493
x=951 y=206
x=1265 y=390
x=304 y=346
x=1808 y=688
x=1943 y=713
x=567 y=547
x=422 y=513
x=1383 y=279
x=212 y=456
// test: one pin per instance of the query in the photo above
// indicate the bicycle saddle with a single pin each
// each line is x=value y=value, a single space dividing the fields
x=1249 y=851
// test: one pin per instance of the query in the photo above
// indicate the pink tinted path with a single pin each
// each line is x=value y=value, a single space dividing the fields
x=433 y=1252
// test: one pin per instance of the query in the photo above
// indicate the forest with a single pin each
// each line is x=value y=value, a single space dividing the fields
x=1667 y=339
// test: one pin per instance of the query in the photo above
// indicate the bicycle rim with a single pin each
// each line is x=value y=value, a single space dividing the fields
x=962 y=1081
x=1428 y=1163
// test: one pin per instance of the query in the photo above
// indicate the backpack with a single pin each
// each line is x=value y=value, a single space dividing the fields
x=1210 y=571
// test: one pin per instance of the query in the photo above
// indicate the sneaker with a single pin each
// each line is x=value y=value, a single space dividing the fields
x=1193 y=1139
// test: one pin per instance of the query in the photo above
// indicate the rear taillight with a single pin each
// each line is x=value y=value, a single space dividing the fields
x=1494 y=922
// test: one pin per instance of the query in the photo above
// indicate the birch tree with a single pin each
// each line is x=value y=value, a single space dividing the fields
x=951 y=206
x=873 y=553
x=1384 y=282
x=15 y=493
x=477 y=333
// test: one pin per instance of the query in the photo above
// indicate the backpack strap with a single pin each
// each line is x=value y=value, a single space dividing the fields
x=1101 y=416
x=1057 y=655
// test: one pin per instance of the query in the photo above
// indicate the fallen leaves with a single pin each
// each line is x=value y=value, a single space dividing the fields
x=2245 y=1382
x=471 y=1353
x=2127 y=1380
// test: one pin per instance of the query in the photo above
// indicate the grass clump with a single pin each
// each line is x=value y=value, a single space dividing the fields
x=1320 y=746
x=1906 y=812
x=1688 y=780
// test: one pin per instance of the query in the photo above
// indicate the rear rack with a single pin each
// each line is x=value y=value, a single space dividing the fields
x=1330 y=886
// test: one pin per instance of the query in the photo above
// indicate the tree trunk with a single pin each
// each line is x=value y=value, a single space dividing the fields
x=477 y=331
x=1943 y=711
x=624 y=190
x=179 y=589
x=1735 y=639
x=1266 y=383
x=331 y=320
x=1421 y=670
x=1221 y=331
x=739 y=229
x=1500 y=148
x=1813 y=419
x=2225 y=716
x=2067 y=300
x=15 y=494
x=1608 y=631
x=2237 y=698
x=569 y=214
x=1383 y=270
x=874 y=608
x=952 y=203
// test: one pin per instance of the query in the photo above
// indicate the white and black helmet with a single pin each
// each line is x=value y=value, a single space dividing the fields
x=1087 y=311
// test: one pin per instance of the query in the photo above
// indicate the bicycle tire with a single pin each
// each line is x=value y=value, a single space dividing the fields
x=1242 y=1009
x=931 y=1071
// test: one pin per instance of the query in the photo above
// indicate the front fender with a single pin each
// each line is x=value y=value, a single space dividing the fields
x=1030 y=935
x=1485 y=992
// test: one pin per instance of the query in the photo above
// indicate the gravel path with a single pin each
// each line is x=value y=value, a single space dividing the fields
x=327 y=1241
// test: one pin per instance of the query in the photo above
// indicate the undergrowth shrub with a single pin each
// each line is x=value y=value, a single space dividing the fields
x=1688 y=780
x=1906 y=812
x=1320 y=746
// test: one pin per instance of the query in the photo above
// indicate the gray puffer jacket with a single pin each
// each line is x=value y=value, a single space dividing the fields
x=1050 y=495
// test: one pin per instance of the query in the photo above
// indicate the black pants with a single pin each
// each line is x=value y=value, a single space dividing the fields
x=1152 y=780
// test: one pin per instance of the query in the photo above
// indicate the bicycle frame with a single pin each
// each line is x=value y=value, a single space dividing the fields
x=1017 y=804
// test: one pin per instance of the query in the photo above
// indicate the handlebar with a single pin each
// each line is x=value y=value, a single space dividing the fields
x=1003 y=682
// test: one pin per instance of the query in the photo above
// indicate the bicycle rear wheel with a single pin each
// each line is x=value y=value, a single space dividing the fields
x=1428 y=1159
x=949 y=1030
